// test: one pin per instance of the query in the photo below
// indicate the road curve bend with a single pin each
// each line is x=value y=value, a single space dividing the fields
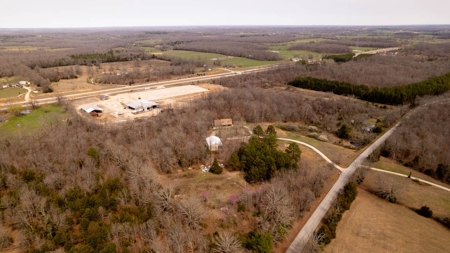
x=315 y=150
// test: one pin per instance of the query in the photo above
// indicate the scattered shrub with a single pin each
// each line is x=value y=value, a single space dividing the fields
x=425 y=211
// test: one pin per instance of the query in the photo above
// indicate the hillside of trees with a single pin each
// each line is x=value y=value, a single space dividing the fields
x=422 y=141
x=395 y=96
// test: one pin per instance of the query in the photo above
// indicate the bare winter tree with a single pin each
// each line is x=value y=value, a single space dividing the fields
x=192 y=211
x=227 y=243
x=388 y=188
x=278 y=211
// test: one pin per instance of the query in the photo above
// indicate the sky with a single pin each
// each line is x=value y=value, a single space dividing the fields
x=118 y=13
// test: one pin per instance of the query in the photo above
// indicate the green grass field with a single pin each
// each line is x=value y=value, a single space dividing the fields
x=239 y=62
x=282 y=49
x=362 y=48
x=151 y=41
x=37 y=118
x=151 y=49
x=11 y=92
x=247 y=63
x=193 y=55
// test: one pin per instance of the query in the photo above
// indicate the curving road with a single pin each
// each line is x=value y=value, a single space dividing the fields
x=315 y=150
x=310 y=226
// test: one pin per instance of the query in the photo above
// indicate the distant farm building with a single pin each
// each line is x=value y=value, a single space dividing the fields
x=91 y=108
x=24 y=83
x=141 y=105
x=213 y=143
x=222 y=123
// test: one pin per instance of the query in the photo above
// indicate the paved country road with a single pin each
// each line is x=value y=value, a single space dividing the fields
x=310 y=226
x=111 y=91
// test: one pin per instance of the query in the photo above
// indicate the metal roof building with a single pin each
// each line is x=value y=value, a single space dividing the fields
x=141 y=105
x=91 y=108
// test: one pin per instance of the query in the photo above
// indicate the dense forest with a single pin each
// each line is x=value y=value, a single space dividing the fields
x=394 y=95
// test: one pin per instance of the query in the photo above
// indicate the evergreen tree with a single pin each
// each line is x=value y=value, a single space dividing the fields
x=294 y=152
x=233 y=162
x=271 y=130
x=258 y=131
x=215 y=167
x=344 y=132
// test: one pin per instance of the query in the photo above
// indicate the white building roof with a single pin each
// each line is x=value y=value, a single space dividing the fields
x=91 y=108
x=213 y=141
x=141 y=104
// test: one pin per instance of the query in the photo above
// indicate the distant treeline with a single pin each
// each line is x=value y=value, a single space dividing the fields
x=346 y=57
x=388 y=95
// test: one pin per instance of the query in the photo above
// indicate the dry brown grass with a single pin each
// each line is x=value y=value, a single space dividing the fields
x=338 y=154
x=374 y=225
x=394 y=166
x=76 y=85
x=414 y=194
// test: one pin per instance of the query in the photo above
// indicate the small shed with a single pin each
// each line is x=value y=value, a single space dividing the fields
x=223 y=122
x=213 y=143
x=91 y=108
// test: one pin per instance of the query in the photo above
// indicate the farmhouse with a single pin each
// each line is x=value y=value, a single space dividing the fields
x=213 y=143
x=24 y=83
x=91 y=108
x=141 y=105
x=222 y=122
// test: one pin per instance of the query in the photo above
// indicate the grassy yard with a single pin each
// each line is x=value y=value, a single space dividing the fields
x=375 y=225
x=11 y=92
x=36 y=119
